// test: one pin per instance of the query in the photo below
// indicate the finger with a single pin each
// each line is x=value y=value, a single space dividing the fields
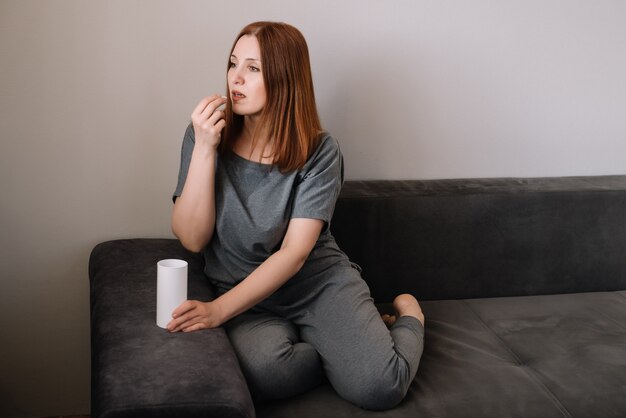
x=184 y=307
x=203 y=104
x=216 y=117
x=182 y=314
x=188 y=310
x=175 y=325
x=192 y=321
x=215 y=124
x=195 y=327
x=172 y=325
x=220 y=125
x=212 y=106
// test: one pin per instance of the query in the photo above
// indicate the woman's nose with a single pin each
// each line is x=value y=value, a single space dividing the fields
x=235 y=76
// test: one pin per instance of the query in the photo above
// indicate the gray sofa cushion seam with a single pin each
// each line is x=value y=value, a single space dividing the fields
x=532 y=373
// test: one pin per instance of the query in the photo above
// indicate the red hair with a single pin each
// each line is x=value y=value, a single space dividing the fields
x=289 y=118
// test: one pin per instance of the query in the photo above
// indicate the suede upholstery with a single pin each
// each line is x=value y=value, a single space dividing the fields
x=475 y=238
x=522 y=281
x=139 y=369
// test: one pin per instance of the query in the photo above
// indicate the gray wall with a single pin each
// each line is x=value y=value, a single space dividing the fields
x=95 y=97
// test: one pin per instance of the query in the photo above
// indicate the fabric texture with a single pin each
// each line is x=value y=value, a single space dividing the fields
x=529 y=356
x=139 y=369
x=473 y=251
x=285 y=342
x=477 y=238
x=254 y=203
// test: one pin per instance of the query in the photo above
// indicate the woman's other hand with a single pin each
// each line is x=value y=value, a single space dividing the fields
x=193 y=315
x=208 y=121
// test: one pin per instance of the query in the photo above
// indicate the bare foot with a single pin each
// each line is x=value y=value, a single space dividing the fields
x=389 y=320
x=406 y=305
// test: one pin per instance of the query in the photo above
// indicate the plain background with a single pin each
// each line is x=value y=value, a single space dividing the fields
x=96 y=95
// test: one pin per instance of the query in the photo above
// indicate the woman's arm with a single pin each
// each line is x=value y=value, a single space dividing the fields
x=193 y=217
x=301 y=236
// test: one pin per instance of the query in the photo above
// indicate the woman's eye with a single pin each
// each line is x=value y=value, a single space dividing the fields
x=253 y=68
x=231 y=65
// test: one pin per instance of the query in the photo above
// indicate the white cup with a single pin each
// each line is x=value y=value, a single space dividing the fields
x=171 y=288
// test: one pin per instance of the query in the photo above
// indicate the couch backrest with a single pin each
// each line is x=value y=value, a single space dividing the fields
x=453 y=239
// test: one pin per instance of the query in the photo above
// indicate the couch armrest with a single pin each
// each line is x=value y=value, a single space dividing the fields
x=139 y=369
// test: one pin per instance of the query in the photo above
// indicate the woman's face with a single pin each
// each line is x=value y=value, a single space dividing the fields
x=245 y=77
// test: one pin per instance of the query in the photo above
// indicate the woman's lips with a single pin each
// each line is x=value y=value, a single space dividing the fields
x=236 y=95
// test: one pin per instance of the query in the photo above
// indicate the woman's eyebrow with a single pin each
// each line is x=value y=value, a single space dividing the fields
x=247 y=59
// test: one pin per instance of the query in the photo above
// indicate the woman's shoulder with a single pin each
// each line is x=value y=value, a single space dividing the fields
x=327 y=145
x=327 y=154
x=326 y=136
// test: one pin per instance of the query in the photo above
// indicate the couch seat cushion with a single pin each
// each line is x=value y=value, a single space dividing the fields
x=547 y=356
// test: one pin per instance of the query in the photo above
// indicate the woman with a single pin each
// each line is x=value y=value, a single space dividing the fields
x=257 y=188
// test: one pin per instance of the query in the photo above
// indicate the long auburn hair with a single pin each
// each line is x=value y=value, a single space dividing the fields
x=289 y=118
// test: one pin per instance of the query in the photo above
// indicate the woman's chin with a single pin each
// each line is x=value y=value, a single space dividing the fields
x=247 y=113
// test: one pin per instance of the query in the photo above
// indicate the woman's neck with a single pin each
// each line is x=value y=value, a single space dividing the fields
x=259 y=151
x=249 y=127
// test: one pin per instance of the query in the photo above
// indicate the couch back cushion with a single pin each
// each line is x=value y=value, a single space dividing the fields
x=468 y=238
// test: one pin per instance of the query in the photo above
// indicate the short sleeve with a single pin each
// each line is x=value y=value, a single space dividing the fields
x=319 y=182
x=185 y=159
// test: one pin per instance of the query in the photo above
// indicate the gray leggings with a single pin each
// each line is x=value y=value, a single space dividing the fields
x=286 y=348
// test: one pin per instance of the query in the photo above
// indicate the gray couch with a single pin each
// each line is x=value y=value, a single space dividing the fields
x=523 y=283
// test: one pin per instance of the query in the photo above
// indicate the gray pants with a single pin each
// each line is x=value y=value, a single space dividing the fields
x=287 y=343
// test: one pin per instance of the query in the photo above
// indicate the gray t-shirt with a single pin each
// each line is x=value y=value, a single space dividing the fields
x=254 y=203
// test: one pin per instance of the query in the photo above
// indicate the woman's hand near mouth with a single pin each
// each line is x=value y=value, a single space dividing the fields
x=208 y=122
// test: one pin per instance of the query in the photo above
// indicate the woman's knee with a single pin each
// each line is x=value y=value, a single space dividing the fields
x=274 y=375
x=375 y=396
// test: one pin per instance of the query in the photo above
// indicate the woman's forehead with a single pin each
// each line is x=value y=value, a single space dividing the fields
x=247 y=48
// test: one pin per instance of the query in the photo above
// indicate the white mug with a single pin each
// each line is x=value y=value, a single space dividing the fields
x=171 y=288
